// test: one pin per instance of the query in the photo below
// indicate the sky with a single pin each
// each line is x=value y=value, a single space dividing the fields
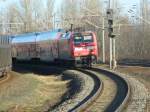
x=128 y=4
x=125 y=4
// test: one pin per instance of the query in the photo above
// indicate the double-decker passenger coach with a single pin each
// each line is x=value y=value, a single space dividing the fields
x=5 y=55
x=36 y=46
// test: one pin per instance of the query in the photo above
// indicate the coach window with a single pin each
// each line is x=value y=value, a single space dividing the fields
x=67 y=35
x=2 y=40
x=63 y=36
x=7 y=40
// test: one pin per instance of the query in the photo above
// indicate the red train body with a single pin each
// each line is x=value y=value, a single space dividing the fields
x=78 y=47
x=51 y=46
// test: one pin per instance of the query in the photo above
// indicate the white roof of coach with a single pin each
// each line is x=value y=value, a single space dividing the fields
x=32 y=37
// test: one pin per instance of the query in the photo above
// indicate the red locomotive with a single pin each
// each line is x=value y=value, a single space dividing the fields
x=78 y=47
x=74 y=47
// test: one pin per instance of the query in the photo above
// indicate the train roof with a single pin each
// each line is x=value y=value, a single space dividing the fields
x=30 y=37
x=38 y=36
x=47 y=35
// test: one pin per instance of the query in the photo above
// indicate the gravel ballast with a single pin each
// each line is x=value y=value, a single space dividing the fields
x=139 y=97
x=85 y=86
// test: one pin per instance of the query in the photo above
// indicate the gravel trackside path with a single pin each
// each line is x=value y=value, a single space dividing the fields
x=86 y=86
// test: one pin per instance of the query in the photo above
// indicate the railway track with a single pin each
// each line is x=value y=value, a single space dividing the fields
x=105 y=96
x=110 y=92
x=105 y=91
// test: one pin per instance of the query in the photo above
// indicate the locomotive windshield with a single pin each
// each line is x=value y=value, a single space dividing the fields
x=88 y=38
x=83 y=38
x=78 y=38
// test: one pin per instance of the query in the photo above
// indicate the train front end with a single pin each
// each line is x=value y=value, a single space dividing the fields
x=85 y=49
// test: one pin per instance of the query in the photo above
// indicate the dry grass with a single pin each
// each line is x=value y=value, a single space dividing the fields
x=140 y=73
x=31 y=93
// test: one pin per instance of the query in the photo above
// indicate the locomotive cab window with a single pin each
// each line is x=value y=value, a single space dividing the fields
x=65 y=36
x=78 y=38
x=84 y=38
x=88 y=38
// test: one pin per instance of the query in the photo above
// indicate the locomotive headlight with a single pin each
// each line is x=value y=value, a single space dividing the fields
x=90 y=47
x=78 y=49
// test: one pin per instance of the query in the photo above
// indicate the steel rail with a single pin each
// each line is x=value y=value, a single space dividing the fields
x=98 y=86
x=121 y=98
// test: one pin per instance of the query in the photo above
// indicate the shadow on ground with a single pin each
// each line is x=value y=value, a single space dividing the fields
x=47 y=69
x=37 y=68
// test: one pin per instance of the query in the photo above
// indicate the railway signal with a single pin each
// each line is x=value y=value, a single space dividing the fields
x=110 y=23
x=111 y=35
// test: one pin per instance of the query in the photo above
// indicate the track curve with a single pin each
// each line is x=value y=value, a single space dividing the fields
x=115 y=104
x=93 y=94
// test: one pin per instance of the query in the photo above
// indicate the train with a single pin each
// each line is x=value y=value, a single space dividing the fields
x=56 y=46
x=5 y=55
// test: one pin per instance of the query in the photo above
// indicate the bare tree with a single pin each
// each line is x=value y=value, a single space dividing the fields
x=70 y=12
x=49 y=13
x=78 y=12
x=32 y=14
